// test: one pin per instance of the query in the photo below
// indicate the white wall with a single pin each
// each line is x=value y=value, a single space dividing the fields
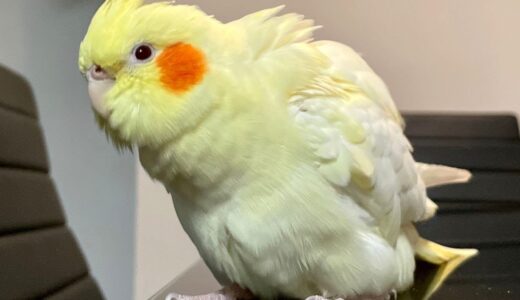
x=438 y=55
x=163 y=250
x=40 y=39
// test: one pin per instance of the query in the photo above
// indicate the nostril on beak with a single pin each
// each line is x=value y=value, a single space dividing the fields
x=98 y=69
x=98 y=73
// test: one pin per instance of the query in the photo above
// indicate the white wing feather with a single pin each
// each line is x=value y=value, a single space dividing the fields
x=352 y=67
x=354 y=129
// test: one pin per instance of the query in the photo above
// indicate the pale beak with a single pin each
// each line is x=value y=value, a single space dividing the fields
x=99 y=83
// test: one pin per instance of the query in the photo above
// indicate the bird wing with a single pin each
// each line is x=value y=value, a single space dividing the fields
x=349 y=65
x=351 y=123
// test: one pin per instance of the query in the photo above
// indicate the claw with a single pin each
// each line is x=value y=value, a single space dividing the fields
x=237 y=293
x=212 y=296
x=383 y=297
x=234 y=292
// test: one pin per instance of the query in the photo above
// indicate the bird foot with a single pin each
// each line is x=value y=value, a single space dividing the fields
x=391 y=296
x=233 y=292
x=357 y=298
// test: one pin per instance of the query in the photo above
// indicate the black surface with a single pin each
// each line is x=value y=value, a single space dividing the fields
x=478 y=154
x=484 y=214
x=38 y=262
x=488 y=227
x=498 y=288
x=469 y=126
x=28 y=200
x=16 y=93
x=39 y=257
x=494 y=261
x=82 y=289
x=22 y=144
x=489 y=186
x=501 y=289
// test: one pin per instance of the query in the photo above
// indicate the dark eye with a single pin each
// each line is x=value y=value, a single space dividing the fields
x=143 y=52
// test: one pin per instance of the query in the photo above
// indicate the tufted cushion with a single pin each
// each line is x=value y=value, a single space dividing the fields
x=39 y=257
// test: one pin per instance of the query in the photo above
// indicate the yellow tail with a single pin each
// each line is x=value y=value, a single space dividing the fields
x=443 y=260
x=447 y=259
x=439 y=263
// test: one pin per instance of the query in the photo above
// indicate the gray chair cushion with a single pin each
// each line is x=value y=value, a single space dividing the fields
x=39 y=257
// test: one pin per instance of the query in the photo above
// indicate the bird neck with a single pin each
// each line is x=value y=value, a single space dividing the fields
x=233 y=144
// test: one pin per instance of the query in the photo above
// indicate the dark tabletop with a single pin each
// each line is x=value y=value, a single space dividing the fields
x=483 y=214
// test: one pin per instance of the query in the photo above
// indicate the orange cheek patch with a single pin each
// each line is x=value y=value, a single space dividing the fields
x=182 y=67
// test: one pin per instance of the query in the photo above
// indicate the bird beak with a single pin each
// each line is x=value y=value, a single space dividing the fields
x=99 y=83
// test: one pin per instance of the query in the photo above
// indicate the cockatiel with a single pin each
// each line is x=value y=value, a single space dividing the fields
x=285 y=157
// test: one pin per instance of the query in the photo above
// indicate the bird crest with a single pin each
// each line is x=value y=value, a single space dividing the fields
x=120 y=6
x=124 y=2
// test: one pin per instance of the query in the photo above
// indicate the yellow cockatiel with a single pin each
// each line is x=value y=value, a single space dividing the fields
x=285 y=157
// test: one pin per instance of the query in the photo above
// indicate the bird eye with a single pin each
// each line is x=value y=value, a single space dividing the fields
x=143 y=53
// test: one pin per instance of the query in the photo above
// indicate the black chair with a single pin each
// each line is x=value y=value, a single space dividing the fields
x=39 y=257
x=483 y=214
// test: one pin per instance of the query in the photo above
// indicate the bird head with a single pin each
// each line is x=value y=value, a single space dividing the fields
x=145 y=65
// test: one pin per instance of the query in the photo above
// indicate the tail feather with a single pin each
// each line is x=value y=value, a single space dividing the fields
x=445 y=258
x=437 y=175
x=431 y=210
